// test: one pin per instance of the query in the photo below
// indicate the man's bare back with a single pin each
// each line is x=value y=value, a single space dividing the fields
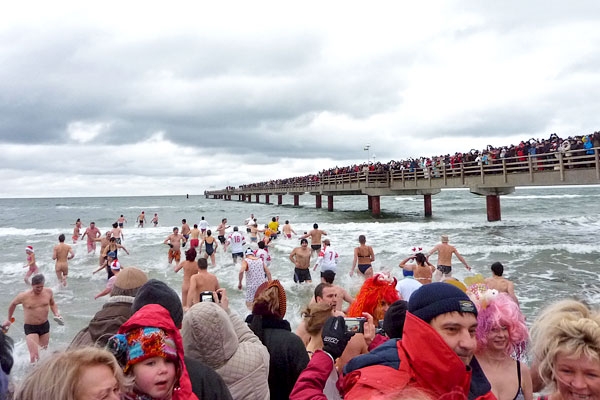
x=502 y=284
x=315 y=236
x=62 y=253
x=201 y=282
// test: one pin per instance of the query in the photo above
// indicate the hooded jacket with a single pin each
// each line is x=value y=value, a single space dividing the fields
x=157 y=316
x=105 y=323
x=225 y=343
x=423 y=361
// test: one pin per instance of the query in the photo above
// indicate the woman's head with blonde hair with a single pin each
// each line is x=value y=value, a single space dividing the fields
x=569 y=327
x=59 y=375
x=315 y=316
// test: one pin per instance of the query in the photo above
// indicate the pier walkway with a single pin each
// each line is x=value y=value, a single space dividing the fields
x=492 y=180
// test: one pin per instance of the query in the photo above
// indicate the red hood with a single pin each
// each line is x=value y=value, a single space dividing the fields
x=434 y=365
x=158 y=316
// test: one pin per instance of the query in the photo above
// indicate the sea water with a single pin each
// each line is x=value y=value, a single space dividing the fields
x=547 y=241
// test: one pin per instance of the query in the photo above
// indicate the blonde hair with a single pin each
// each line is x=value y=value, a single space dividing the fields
x=567 y=326
x=57 y=377
x=315 y=316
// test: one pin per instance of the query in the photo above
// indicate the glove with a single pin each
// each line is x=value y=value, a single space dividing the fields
x=335 y=337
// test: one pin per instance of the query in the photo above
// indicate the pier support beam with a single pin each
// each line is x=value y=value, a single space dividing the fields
x=249 y=198
x=296 y=200
x=370 y=203
x=258 y=198
x=279 y=199
x=427 y=205
x=318 y=201
x=266 y=199
x=492 y=203
x=492 y=200
x=329 y=203
x=375 y=205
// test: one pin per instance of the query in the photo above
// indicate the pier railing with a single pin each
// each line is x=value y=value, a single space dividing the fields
x=580 y=166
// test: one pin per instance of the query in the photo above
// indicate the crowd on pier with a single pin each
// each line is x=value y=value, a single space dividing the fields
x=540 y=149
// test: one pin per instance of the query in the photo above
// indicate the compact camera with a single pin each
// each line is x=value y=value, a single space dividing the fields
x=355 y=325
x=208 y=296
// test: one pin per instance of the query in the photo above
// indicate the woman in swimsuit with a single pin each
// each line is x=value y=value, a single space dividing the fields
x=566 y=350
x=501 y=341
x=33 y=268
x=210 y=246
x=422 y=271
x=364 y=257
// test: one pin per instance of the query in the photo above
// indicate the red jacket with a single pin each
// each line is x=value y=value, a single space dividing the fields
x=158 y=317
x=426 y=362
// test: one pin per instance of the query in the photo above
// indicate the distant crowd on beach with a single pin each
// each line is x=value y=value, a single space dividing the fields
x=426 y=336
x=541 y=149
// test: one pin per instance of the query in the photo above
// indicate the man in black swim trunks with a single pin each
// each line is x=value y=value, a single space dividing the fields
x=36 y=303
x=315 y=238
x=221 y=232
x=300 y=256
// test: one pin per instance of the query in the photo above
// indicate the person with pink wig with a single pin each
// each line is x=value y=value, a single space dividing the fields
x=502 y=337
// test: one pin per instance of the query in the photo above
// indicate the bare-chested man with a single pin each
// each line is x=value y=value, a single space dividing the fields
x=189 y=268
x=444 y=262
x=121 y=221
x=76 y=230
x=174 y=242
x=201 y=282
x=221 y=233
x=254 y=232
x=324 y=293
x=195 y=237
x=36 y=303
x=104 y=242
x=287 y=230
x=315 y=238
x=117 y=233
x=300 y=256
x=141 y=220
x=501 y=284
x=92 y=233
x=185 y=230
x=62 y=253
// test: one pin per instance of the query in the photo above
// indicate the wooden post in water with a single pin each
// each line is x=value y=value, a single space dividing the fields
x=296 y=200
x=427 y=204
x=266 y=199
x=492 y=203
x=375 y=203
x=258 y=198
x=329 y=203
x=318 y=201
x=279 y=199
x=370 y=203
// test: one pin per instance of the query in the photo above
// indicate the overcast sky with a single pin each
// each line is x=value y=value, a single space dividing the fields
x=143 y=98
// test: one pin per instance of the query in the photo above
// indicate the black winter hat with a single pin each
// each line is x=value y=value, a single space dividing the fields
x=438 y=298
x=158 y=292
x=393 y=321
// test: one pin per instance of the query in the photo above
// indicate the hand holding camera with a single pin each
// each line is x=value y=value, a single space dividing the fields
x=335 y=336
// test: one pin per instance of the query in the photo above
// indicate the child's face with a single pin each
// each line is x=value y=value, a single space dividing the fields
x=155 y=377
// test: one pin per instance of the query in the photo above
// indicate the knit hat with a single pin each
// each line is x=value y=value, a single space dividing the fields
x=249 y=252
x=111 y=254
x=438 y=298
x=140 y=344
x=261 y=307
x=30 y=249
x=158 y=292
x=115 y=265
x=128 y=282
x=393 y=322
